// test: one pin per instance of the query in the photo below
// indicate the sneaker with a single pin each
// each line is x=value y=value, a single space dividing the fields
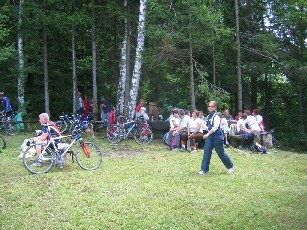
x=201 y=172
x=175 y=149
x=194 y=151
x=36 y=164
x=183 y=149
x=230 y=170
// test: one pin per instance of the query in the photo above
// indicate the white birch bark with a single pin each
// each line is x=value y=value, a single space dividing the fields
x=21 y=77
x=122 y=79
x=123 y=70
x=138 y=60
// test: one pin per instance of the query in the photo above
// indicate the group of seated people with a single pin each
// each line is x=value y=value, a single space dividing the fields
x=249 y=125
x=186 y=127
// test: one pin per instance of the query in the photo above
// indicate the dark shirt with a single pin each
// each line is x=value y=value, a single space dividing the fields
x=106 y=108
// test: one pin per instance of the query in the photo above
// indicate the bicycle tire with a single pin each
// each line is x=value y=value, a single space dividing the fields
x=12 y=128
x=143 y=136
x=2 y=142
x=47 y=160
x=62 y=124
x=91 y=162
x=114 y=134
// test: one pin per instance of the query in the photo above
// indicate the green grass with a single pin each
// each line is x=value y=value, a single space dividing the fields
x=149 y=187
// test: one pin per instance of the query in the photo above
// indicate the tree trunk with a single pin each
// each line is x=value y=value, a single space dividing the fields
x=138 y=60
x=239 y=77
x=74 y=76
x=94 y=57
x=192 y=85
x=46 y=77
x=123 y=69
x=21 y=76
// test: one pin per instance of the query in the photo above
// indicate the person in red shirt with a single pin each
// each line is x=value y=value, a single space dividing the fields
x=138 y=107
x=86 y=105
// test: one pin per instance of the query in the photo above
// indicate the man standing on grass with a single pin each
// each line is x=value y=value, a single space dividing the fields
x=214 y=139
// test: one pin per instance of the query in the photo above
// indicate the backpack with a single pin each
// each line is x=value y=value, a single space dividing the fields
x=259 y=148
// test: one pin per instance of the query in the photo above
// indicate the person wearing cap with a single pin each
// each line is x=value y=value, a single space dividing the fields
x=6 y=106
x=142 y=113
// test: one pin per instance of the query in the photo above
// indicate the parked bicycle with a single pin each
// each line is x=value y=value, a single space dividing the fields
x=140 y=128
x=73 y=121
x=65 y=121
x=2 y=142
x=10 y=126
x=88 y=155
x=275 y=142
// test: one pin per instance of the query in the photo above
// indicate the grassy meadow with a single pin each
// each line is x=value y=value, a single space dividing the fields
x=149 y=187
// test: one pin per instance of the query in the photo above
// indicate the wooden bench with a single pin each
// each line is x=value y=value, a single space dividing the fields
x=264 y=138
x=236 y=140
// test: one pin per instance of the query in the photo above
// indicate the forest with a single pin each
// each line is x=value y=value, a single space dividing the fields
x=245 y=54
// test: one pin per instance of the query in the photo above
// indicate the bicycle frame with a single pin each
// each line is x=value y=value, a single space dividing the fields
x=142 y=133
x=88 y=155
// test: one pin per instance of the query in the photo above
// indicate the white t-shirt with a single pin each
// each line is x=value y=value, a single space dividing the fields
x=194 y=123
x=173 y=120
x=252 y=124
x=239 y=123
x=259 y=120
x=184 y=122
x=224 y=124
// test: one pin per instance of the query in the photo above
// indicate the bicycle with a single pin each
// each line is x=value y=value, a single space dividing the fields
x=10 y=126
x=275 y=142
x=88 y=155
x=74 y=120
x=121 y=130
x=2 y=142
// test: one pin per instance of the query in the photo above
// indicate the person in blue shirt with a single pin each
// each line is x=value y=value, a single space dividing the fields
x=214 y=139
x=6 y=106
x=105 y=111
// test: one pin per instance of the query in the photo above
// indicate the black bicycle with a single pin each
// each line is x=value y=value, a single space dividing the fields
x=73 y=121
x=2 y=142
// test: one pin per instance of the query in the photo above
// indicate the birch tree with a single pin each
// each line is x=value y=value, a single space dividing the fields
x=135 y=81
x=123 y=69
x=21 y=76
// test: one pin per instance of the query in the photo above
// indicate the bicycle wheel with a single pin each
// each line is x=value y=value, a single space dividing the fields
x=62 y=124
x=2 y=142
x=89 y=156
x=114 y=133
x=143 y=136
x=41 y=164
x=12 y=128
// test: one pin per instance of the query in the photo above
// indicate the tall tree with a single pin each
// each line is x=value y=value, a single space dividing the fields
x=135 y=81
x=21 y=76
x=45 y=57
x=94 y=57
